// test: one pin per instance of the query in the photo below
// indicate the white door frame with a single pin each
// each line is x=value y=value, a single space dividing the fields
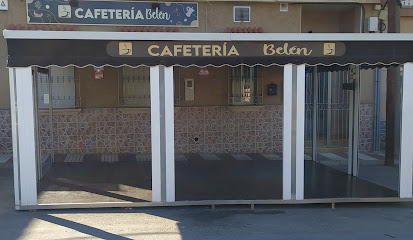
x=24 y=136
x=162 y=132
x=406 y=134
x=293 y=132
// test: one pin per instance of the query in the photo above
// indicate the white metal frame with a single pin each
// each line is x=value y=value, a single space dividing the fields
x=293 y=132
x=24 y=136
x=162 y=129
x=299 y=131
x=406 y=134
x=287 y=130
x=130 y=36
x=13 y=110
x=169 y=134
x=156 y=135
x=354 y=118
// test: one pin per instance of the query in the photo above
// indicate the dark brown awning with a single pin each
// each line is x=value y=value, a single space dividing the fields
x=81 y=53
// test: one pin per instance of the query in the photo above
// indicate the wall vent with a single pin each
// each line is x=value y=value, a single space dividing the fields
x=283 y=7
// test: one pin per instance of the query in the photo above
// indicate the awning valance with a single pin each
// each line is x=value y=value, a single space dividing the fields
x=219 y=50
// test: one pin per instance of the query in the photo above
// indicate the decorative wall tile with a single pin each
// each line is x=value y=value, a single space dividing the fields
x=263 y=137
x=213 y=137
x=195 y=148
x=196 y=138
x=213 y=125
x=5 y=132
x=213 y=148
x=196 y=113
x=196 y=125
x=236 y=130
x=247 y=147
x=230 y=137
x=366 y=127
x=246 y=136
x=230 y=148
x=263 y=147
x=107 y=130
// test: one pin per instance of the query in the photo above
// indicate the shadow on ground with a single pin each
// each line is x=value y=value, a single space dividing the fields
x=315 y=221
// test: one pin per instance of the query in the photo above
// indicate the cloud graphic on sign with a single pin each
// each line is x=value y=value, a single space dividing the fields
x=194 y=23
x=38 y=15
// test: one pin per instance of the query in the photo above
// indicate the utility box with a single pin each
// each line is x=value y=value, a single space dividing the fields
x=189 y=90
x=373 y=24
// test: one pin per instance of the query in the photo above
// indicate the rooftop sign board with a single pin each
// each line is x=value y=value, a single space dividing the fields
x=112 y=13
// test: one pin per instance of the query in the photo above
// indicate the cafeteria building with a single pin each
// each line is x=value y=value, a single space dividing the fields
x=133 y=104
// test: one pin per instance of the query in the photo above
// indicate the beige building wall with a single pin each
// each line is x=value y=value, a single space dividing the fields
x=16 y=14
x=332 y=18
x=213 y=17
x=406 y=24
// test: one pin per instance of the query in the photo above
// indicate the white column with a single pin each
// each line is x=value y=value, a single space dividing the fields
x=406 y=133
x=12 y=83
x=156 y=135
x=24 y=140
x=299 y=131
x=287 y=130
x=162 y=127
x=169 y=135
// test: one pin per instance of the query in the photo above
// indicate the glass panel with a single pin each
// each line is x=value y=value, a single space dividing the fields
x=224 y=151
x=373 y=166
x=98 y=152
x=6 y=160
x=338 y=171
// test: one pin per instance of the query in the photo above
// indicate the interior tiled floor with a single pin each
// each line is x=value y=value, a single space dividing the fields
x=127 y=177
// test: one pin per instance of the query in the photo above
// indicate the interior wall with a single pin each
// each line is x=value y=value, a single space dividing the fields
x=367 y=86
x=212 y=90
x=98 y=93
x=273 y=74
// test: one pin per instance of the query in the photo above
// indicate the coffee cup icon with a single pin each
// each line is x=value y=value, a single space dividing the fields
x=189 y=11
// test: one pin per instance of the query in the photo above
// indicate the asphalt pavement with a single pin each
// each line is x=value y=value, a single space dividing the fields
x=315 y=221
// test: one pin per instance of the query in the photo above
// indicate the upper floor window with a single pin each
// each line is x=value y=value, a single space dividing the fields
x=242 y=14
